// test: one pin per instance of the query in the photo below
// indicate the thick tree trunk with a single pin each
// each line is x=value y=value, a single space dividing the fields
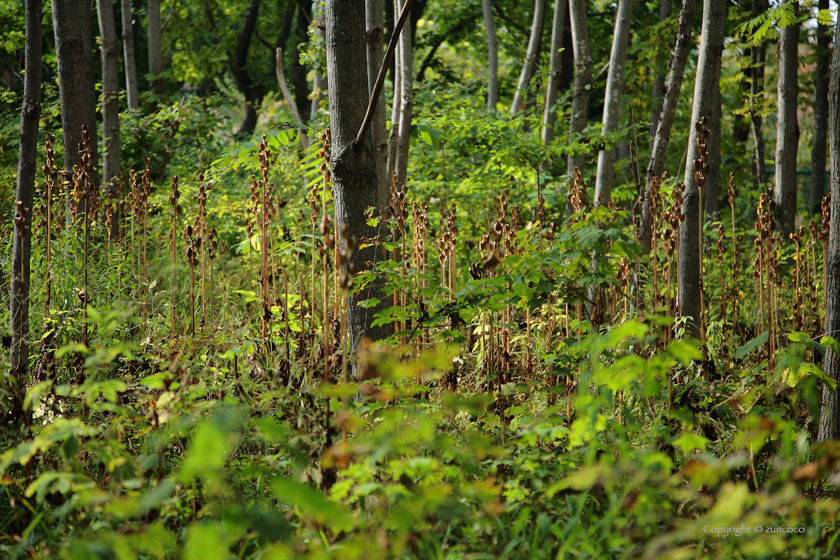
x=155 y=45
x=787 y=135
x=658 y=80
x=492 y=54
x=129 y=57
x=76 y=80
x=319 y=82
x=374 y=15
x=830 y=414
x=353 y=172
x=555 y=71
x=110 y=92
x=705 y=98
x=24 y=196
x=820 y=117
x=529 y=67
x=583 y=76
x=612 y=99
x=406 y=55
x=253 y=92
x=669 y=107
x=758 y=54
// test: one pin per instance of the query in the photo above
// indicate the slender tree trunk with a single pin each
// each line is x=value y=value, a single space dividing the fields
x=155 y=45
x=612 y=99
x=820 y=116
x=787 y=135
x=711 y=190
x=110 y=92
x=353 y=172
x=374 y=15
x=705 y=97
x=24 y=197
x=669 y=107
x=129 y=57
x=396 y=103
x=658 y=80
x=758 y=54
x=406 y=55
x=299 y=70
x=529 y=67
x=319 y=82
x=76 y=80
x=492 y=54
x=555 y=71
x=583 y=77
x=253 y=92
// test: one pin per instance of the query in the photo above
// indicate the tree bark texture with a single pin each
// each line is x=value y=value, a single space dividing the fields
x=758 y=54
x=656 y=165
x=253 y=92
x=25 y=193
x=705 y=99
x=492 y=55
x=817 y=190
x=555 y=69
x=612 y=99
x=375 y=35
x=76 y=80
x=583 y=76
x=529 y=67
x=658 y=80
x=353 y=172
x=787 y=132
x=110 y=48
x=406 y=56
x=132 y=94
x=155 y=34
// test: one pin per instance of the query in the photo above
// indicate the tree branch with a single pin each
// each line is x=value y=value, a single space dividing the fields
x=380 y=79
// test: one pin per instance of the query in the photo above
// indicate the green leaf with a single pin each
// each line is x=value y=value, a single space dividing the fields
x=312 y=504
x=747 y=348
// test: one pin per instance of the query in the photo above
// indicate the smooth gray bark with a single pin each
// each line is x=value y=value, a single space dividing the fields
x=583 y=76
x=25 y=192
x=705 y=98
x=492 y=54
x=787 y=132
x=818 y=150
x=155 y=45
x=830 y=413
x=554 y=71
x=406 y=62
x=669 y=107
x=657 y=92
x=530 y=64
x=612 y=100
x=375 y=35
x=110 y=47
x=132 y=93
x=353 y=172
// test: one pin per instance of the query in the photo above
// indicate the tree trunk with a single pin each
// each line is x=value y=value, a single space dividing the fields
x=353 y=172
x=658 y=79
x=711 y=190
x=396 y=103
x=669 y=107
x=531 y=55
x=787 y=135
x=24 y=196
x=319 y=82
x=492 y=55
x=374 y=15
x=830 y=414
x=554 y=71
x=129 y=57
x=299 y=70
x=155 y=46
x=406 y=56
x=110 y=92
x=612 y=99
x=820 y=117
x=705 y=98
x=758 y=54
x=76 y=80
x=253 y=92
x=583 y=77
